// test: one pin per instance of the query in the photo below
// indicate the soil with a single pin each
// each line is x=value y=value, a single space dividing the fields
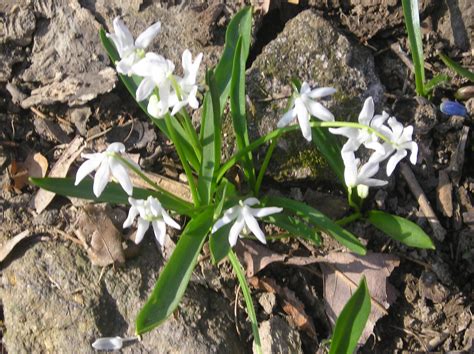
x=433 y=309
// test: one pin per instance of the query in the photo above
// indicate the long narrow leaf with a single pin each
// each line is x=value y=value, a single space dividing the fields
x=113 y=193
x=412 y=23
x=456 y=67
x=237 y=108
x=131 y=83
x=351 y=321
x=321 y=221
x=175 y=276
x=295 y=227
x=328 y=145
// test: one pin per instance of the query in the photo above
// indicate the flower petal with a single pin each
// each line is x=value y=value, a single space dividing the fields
x=367 y=111
x=229 y=215
x=132 y=214
x=88 y=166
x=394 y=160
x=159 y=229
x=143 y=225
x=120 y=173
x=322 y=92
x=145 y=38
x=303 y=119
x=252 y=224
x=169 y=220
x=236 y=229
x=286 y=119
x=251 y=201
x=101 y=177
x=262 y=212
x=317 y=110
x=345 y=131
x=145 y=89
x=414 y=152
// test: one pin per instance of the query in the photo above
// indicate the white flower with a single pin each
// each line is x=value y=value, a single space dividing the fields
x=358 y=137
x=244 y=217
x=360 y=177
x=305 y=106
x=187 y=84
x=131 y=51
x=106 y=163
x=157 y=72
x=149 y=211
x=400 y=141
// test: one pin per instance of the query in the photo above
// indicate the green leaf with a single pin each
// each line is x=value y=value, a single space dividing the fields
x=295 y=226
x=351 y=321
x=112 y=193
x=131 y=83
x=456 y=67
x=211 y=142
x=412 y=23
x=329 y=146
x=239 y=26
x=436 y=81
x=400 y=229
x=175 y=276
x=321 y=221
x=219 y=243
x=238 y=111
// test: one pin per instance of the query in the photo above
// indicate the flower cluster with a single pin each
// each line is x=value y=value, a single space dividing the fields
x=159 y=85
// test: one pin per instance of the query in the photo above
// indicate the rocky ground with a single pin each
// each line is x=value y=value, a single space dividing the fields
x=59 y=92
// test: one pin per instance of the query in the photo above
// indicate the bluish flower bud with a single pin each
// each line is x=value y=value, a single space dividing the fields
x=452 y=108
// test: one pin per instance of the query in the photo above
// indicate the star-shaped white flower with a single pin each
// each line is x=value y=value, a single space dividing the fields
x=157 y=72
x=106 y=163
x=358 y=137
x=305 y=106
x=360 y=177
x=131 y=51
x=245 y=219
x=187 y=84
x=400 y=141
x=149 y=211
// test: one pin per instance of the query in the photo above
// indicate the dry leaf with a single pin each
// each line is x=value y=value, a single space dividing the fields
x=292 y=306
x=444 y=192
x=256 y=256
x=42 y=197
x=99 y=236
x=8 y=246
x=35 y=165
x=342 y=273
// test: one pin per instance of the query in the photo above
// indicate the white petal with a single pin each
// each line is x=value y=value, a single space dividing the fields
x=303 y=119
x=252 y=224
x=108 y=343
x=368 y=170
x=120 y=173
x=119 y=148
x=374 y=145
x=372 y=182
x=145 y=89
x=123 y=36
x=144 y=67
x=394 y=160
x=145 y=38
x=251 y=201
x=367 y=111
x=159 y=229
x=319 y=111
x=192 y=100
x=351 y=145
x=132 y=214
x=229 y=215
x=350 y=168
x=397 y=128
x=236 y=229
x=143 y=225
x=322 y=92
x=169 y=221
x=125 y=65
x=286 y=119
x=187 y=61
x=88 y=166
x=345 y=131
x=101 y=177
x=305 y=88
x=262 y=212
x=414 y=152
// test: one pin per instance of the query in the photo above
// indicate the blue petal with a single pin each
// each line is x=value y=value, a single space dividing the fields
x=452 y=108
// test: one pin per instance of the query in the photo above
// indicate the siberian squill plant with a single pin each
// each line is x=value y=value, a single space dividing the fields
x=219 y=214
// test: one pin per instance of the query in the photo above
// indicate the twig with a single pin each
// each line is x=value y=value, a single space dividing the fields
x=236 y=305
x=438 y=230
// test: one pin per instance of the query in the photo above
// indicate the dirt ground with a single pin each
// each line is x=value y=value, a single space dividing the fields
x=435 y=289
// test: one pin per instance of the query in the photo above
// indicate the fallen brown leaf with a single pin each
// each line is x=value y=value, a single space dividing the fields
x=8 y=246
x=444 y=192
x=256 y=256
x=42 y=197
x=342 y=273
x=292 y=306
x=99 y=236
x=35 y=165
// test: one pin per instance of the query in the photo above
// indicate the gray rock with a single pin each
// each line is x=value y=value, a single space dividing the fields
x=9 y=56
x=456 y=23
x=311 y=49
x=18 y=26
x=278 y=337
x=80 y=116
x=55 y=301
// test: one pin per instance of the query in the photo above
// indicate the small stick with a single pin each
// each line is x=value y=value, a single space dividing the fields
x=438 y=230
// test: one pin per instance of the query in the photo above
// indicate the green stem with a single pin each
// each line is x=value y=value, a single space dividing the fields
x=350 y=199
x=194 y=139
x=265 y=163
x=280 y=131
x=348 y=219
x=184 y=161
x=248 y=298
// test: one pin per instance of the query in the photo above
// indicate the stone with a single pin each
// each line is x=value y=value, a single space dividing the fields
x=19 y=24
x=455 y=23
x=311 y=49
x=54 y=300
x=278 y=337
x=80 y=116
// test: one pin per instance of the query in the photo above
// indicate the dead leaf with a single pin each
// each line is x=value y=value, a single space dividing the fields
x=99 y=236
x=42 y=197
x=255 y=256
x=8 y=246
x=444 y=192
x=35 y=165
x=342 y=273
x=292 y=306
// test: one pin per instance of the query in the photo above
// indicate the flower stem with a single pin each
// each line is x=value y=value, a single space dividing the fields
x=248 y=298
x=193 y=137
x=348 y=219
x=265 y=163
x=184 y=161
